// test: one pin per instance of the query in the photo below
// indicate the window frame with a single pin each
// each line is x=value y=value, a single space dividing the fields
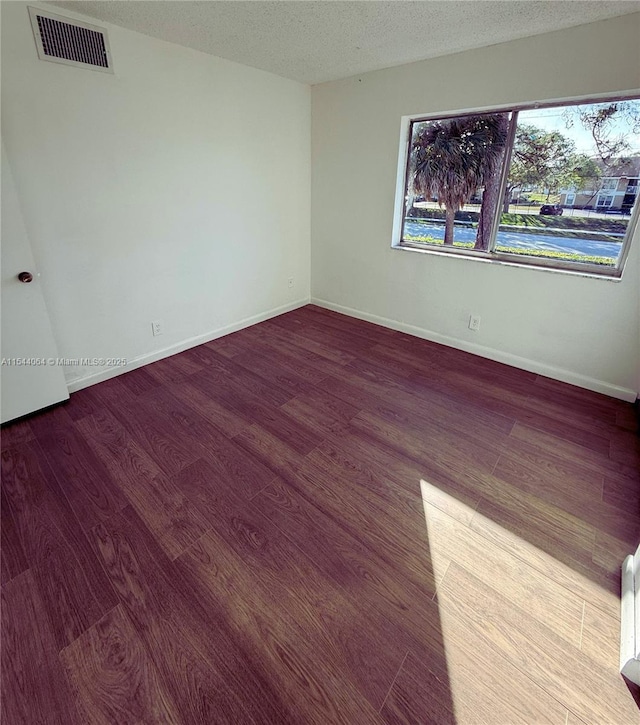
x=491 y=255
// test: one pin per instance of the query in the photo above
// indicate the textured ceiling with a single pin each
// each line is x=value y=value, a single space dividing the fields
x=313 y=42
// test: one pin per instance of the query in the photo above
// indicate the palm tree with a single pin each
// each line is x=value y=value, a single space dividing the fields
x=451 y=158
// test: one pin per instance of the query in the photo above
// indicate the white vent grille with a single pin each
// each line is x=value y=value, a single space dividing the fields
x=72 y=42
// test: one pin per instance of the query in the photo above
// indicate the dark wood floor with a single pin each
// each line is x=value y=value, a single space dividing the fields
x=318 y=520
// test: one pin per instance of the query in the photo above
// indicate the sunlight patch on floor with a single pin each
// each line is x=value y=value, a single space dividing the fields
x=437 y=502
x=476 y=562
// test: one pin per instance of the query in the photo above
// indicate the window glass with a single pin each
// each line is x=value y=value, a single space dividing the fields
x=563 y=159
x=550 y=186
x=454 y=178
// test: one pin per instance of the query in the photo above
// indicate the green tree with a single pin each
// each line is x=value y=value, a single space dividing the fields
x=540 y=159
x=610 y=125
x=491 y=193
x=452 y=158
x=579 y=172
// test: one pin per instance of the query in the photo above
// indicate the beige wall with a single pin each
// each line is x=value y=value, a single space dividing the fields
x=176 y=189
x=582 y=330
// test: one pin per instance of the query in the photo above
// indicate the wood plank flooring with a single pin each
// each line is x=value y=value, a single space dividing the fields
x=318 y=520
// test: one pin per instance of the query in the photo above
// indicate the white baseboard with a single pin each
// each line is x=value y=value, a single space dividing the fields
x=549 y=371
x=80 y=383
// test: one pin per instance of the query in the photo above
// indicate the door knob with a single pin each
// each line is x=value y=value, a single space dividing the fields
x=25 y=276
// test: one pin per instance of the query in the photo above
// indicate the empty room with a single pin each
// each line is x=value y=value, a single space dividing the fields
x=320 y=362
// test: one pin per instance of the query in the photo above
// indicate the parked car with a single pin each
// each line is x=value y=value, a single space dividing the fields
x=551 y=209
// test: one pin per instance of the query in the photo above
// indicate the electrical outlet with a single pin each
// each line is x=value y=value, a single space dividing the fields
x=156 y=328
x=474 y=322
x=290 y=282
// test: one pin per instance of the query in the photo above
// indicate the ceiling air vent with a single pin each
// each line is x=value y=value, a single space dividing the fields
x=73 y=42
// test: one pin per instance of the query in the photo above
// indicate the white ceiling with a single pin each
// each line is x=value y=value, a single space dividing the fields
x=315 y=41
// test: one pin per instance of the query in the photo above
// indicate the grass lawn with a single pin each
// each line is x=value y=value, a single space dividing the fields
x=568 y=223
x=545 y=253
x=542 y=198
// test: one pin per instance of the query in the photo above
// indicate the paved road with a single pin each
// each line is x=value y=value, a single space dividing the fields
x=611 y=250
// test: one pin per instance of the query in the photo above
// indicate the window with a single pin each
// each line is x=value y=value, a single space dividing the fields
x=528 y=185
x=604 y=200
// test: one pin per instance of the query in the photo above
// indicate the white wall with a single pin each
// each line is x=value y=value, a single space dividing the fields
x=176 y=189
x=576 y=329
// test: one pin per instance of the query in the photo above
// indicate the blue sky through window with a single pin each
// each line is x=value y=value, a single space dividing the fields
x=553 y=119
